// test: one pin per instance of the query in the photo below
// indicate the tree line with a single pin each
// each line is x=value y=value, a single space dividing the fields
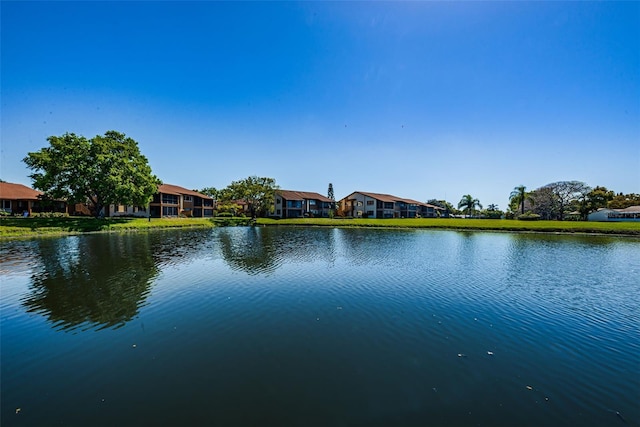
x=566 y=200
x=559 y=200
x=109 y=169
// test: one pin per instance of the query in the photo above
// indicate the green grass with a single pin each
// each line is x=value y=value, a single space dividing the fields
x=14 y=227
x=626 y=228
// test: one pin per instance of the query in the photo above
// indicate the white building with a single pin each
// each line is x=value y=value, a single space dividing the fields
x=632 y=213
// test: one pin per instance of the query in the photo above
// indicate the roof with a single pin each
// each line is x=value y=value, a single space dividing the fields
x=176 y=189
x=630 y=209
x=392 y=198
x=302 y=195
x=10 y=191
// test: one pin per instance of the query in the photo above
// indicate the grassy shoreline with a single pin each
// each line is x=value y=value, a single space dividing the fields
x=18 y=228
x=610 y=228
x=23 y=228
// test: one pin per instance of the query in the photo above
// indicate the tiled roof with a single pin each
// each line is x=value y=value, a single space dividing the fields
x=392 y=198
x=10 y=191
x=302 y=195
x=175 y=189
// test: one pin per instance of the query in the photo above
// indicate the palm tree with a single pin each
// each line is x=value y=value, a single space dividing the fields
x=518 y=196
x=469 y=204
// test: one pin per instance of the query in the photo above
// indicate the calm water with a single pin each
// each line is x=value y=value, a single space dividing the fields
x=266 y=326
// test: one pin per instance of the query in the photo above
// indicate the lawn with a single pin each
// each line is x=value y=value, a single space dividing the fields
x=11 y=227
x=626 y=228
x=17 y=227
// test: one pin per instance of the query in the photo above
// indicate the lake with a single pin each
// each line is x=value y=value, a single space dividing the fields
x=318 y=327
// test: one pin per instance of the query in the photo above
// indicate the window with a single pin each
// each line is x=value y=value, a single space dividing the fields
x=121 y=208
x=188 y=198
x=169 y=211
x=359 y=204
x=369 y=213
x=370 y=202
x=296 y=204
x=388 y=205
x=278 y=201
x=312 y=202
x=278 y=211
x=169 y=199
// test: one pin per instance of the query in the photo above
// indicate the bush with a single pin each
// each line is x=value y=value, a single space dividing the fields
x=493 y=214
x=49 y=215
x=224 y=214
x=529 y=217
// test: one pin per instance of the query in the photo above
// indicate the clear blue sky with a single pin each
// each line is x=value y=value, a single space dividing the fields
x=418 y=99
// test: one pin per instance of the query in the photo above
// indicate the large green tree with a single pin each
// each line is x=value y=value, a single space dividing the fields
x=469 y=204
x=212 y=192
x=594 y=200
x=449 y=209
x=622 y=201
x=103 y=170
x=257 y=192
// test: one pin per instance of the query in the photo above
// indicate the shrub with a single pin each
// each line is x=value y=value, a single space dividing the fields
x=529 y=217
x=49 y=215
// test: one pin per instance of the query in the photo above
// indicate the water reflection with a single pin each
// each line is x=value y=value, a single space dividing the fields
x=91 y=282
x=249 y=249
x=257 y=250
x=290 y=321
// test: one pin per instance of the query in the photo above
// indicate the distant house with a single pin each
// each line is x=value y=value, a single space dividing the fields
x=632 y=213
x=243 y=207
x=19 y=199
x=172 y=200
x=298 y=204
x=169 y=201
x=360 y=204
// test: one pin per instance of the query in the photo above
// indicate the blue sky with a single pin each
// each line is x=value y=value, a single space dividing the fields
x=418 y=99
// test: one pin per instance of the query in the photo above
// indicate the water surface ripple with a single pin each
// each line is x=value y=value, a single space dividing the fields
x=315 y=327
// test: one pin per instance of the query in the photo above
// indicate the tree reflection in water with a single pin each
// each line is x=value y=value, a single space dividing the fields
x=92 y=281
x=256 y=250
x=250 y=249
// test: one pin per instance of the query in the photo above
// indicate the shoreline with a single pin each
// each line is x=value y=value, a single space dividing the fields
x=22 y=229
x=470 y=230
